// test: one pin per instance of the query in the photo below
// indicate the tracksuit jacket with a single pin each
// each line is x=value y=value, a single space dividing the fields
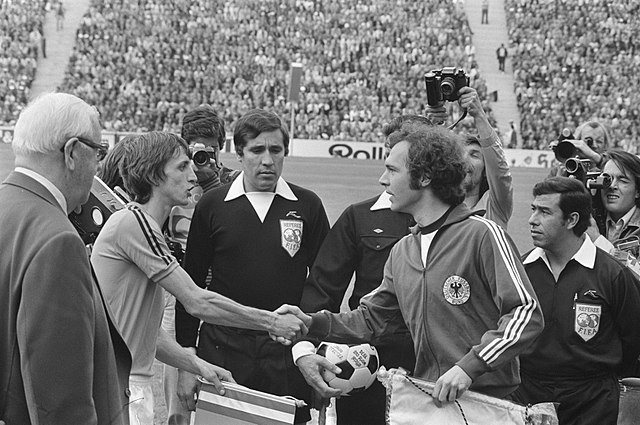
x=471 y=305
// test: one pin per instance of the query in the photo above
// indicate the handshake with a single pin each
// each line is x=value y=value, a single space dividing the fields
x=289 y=324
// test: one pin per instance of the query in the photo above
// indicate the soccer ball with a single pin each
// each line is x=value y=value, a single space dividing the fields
x=359 y=364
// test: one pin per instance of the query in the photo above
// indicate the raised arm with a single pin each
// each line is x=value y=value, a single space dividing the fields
x=499 y=201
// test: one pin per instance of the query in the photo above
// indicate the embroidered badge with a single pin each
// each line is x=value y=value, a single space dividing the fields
x=587 y=320
x=378 y=231
x=291 y=235
x=456 y=290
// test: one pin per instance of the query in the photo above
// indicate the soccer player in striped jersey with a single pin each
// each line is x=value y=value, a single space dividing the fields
x=134 y=266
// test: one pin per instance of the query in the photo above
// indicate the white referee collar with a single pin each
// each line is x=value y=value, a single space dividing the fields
x=383 y=202
x=237 y=189
x=586 y=255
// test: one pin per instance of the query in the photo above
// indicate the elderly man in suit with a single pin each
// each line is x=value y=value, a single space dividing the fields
x=62 y=360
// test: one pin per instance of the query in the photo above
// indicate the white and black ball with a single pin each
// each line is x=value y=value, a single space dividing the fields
x=359 y=364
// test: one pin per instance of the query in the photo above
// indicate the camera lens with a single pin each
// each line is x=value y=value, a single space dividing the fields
x=565 y=150
x=447 y=86
x=572 y=165
x=201 y=158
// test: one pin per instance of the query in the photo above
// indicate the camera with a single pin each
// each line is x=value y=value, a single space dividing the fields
x=581 y=170
x=201 y=154
x=443 y=84
x=563 y=148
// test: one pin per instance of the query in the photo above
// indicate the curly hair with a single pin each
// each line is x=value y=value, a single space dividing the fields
x=434 y=153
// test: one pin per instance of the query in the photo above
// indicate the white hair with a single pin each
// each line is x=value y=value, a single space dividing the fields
x=50 y=120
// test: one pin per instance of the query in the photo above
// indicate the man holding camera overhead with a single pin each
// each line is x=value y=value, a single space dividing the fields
x=488 y=184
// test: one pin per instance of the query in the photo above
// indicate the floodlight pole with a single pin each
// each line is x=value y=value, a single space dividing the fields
x=294 y=95
x=292 y=124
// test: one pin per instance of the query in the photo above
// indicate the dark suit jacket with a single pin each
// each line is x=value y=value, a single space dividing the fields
x=62 y=360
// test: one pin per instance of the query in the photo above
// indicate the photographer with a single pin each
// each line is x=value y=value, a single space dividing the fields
x=203 y=129
x=488 y=184
x=621 y=216
x=590 y=140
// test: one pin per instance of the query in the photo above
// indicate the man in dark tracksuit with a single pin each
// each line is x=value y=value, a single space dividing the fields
x=591 y=305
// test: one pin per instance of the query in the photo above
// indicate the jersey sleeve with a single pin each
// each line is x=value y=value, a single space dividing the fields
x=627 y=316
x=333 y=268
x=319 y=228
x=377 y=315
x=142 y=242
x=500 y=202
x=520 y=319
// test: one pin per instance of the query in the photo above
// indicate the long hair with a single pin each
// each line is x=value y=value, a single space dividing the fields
x=145 y=156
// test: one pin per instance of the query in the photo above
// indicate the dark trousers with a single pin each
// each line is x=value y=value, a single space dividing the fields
x=368 y=407
x=582 y=401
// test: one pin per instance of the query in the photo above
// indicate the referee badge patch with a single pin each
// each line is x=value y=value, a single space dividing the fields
x=587 y=320
x=291 y=235
x=456 y=290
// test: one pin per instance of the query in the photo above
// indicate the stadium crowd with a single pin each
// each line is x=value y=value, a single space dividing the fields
x=21 y=24
x=147 y=63
x=574 y=61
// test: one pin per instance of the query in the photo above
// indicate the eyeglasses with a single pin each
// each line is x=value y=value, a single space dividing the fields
x=101 y=149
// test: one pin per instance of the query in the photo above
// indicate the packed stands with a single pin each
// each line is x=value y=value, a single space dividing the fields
x=574 y=61
x=146 y=63
x=21 y=24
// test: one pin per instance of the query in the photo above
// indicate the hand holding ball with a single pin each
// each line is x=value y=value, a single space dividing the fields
x=359 y=364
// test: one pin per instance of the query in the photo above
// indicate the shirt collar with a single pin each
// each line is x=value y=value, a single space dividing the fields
x=383 y=202
x=586 y=255
x=624 y=220
x=57 y=194
x=237 y=189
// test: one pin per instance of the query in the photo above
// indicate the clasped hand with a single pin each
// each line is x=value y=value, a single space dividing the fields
x=290 y=324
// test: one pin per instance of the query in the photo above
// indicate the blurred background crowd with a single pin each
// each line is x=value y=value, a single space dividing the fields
x=574 y=61
x=20 y=28
x=146 y=62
